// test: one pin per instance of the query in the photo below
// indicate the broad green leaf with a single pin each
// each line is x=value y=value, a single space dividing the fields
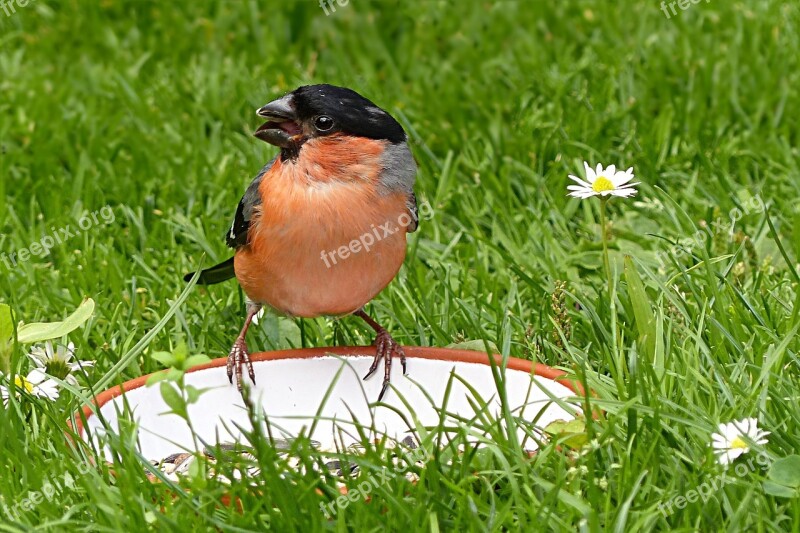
x=574 y=431
x=576 y=441
x=195 y=360
x=170 y=374
x=558 y=427
x=6 y=337
x=6 y=323
x=642 y=310
x=156 y=377
x=773 y=489
x=193 y=393
x=44 y=331
x=178 y=359
x=173 y=374
x=181 y=352
x=197 y=470
x=281 y=332
x=290 y=333
x=786 y=471
x=173 y=399
x=165 y=358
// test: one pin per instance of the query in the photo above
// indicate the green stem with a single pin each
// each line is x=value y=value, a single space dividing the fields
x=604 y=238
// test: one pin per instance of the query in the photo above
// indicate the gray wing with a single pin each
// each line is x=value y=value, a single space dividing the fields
x=399 y=173
x=237 y=235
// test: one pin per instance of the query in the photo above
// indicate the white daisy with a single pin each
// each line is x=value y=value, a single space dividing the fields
x=36 y=383
x=734 y=438
x=603 y=182
x=58 y=362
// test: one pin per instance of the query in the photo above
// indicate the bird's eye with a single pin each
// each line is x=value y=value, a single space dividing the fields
x=323 y=123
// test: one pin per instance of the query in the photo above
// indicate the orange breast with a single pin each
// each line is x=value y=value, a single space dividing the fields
x=325 y=241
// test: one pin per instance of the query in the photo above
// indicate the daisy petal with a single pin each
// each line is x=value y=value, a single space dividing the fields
x=590 y=175
x=620 y=178
x=36 y=376
x=614 y=183
x=580 y=181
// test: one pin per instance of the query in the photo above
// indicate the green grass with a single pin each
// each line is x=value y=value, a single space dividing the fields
x=147 y=107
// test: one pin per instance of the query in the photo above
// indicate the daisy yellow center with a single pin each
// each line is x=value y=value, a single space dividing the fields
x=602 y=184
x=23 y=383
x=738 y=444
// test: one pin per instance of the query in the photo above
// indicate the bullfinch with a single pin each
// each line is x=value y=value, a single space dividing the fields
x=322 y=228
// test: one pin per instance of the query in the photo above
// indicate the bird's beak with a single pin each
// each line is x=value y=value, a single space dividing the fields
x=282 y=127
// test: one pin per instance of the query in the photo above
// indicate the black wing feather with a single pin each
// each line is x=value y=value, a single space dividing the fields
x=236 y=237
x=216 y=274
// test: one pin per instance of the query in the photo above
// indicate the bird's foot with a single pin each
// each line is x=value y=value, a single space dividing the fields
x=386 y=348
x=238 y=358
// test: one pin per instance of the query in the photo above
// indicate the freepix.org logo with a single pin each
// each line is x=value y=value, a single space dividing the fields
x=57 y=236
x=9 y=7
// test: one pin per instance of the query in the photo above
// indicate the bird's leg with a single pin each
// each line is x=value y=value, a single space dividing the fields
x=385 y=348
x=239 y=356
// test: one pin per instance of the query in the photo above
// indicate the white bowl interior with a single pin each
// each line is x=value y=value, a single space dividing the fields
x=291 y=393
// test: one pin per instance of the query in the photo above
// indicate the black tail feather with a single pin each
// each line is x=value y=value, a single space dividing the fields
x=216 y=274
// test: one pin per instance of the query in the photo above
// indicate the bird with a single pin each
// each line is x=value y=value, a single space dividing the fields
x=321 y=230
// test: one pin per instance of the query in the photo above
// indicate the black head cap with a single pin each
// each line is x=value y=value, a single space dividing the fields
x=350 y=113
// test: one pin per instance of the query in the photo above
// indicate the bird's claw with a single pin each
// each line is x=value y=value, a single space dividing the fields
x=386 y=348
x=238 y=358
